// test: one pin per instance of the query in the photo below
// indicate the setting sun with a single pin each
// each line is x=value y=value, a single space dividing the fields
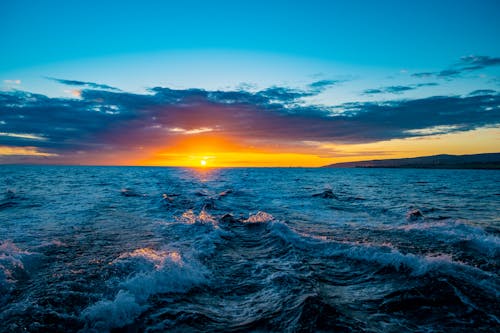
x=203 y=162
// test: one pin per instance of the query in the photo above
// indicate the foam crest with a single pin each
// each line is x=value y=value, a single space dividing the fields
x=259 y=217
x=189 y=217
x=205 y=242
x=10 y=253
x=11 y=263
x=457 y=231
x=107 y=314
x=383 y=254
x=149 y=272
x=388 y=256
x=53 y=243
x=158 y=258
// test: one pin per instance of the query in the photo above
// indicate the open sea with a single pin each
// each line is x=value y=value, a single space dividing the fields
x=140 y=249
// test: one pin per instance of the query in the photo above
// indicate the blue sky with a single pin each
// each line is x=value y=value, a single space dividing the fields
x=384 y=36
x=331 y=54
x=390 y=34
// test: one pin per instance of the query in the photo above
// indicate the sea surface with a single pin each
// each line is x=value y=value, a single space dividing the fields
x=135 y=249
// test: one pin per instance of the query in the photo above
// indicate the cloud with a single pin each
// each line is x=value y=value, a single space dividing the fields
x=429 y=84
x=443 y=129
x=191 y=131
x=16 y=82
x=397 y=89
x=482 y=92
x=423 y=74
x=23 y=136
x=373 y=91
x=103 y=120
x=478 y=62
x=284 y=95
x=83 y=84
x=449 y=73
x=466 y=64
x=391 y=90
x=22 y=151
x=322 y=85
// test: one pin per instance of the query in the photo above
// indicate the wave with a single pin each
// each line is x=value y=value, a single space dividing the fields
x=9 y=200
x=148 y=272
x=456 y=231
x=11 y=267
x=259 y=217
x=386 y=255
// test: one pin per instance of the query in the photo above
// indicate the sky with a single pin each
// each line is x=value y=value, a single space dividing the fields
x=260 y=83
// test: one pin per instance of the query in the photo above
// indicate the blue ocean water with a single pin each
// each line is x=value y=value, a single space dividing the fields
x=133 y=249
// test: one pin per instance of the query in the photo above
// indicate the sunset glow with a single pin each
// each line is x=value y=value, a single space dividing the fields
x=265 y=98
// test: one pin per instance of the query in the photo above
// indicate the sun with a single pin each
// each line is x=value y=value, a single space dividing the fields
x=203 y=163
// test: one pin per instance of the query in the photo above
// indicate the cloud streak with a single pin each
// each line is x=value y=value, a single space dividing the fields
x=322 y=85
x=83 y=84
x=465 y=65
x=397 y=89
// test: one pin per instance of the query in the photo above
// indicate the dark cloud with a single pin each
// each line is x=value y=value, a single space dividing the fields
x=102 y=119
x=423 y=74
x=396 y=89
x=482 y=92
x=83 y=84
x=320 y=86
x=66 y=124
x=466 y=64
x=373 y=91
x=449 y=73
x=429 y=84
x=284 y=95
x=400 y=119
x=478 y=62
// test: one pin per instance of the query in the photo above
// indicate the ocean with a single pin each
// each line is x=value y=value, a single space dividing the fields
x=144 y=249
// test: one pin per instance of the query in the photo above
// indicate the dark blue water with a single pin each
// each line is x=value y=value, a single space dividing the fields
x=97 y=249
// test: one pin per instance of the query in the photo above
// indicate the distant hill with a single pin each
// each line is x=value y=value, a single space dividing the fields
x=478 y=161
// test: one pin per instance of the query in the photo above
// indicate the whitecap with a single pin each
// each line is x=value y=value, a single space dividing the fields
x=148 y=272
x=259 y=217
x=454 y=231
x=11 y=265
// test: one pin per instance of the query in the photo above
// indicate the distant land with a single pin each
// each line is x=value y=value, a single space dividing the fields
x=477 y=161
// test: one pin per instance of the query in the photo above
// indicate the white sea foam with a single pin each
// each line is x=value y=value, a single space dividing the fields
x=11 y=255
x=259 y=217
x=190 y=217
x=107 y=314
x=388 y=256
x=11 y=262
x=152 y=272
x=382 y=254
x=53 y=243
x=205 y=243
x=458 y=231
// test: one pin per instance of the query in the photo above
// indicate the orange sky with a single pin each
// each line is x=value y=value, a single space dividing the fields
x=216 y=151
